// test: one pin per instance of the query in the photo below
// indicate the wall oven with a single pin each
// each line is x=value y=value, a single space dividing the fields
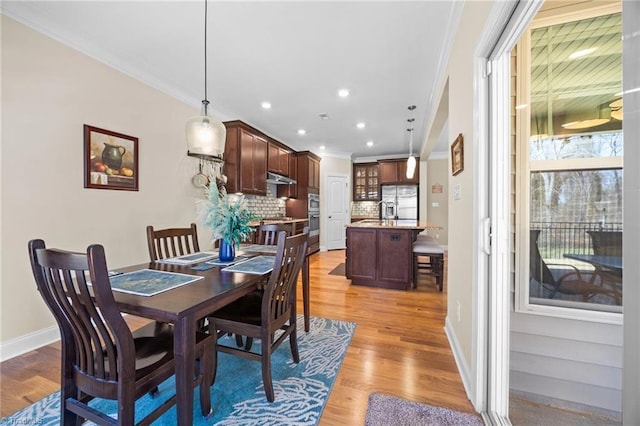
x=314 y=214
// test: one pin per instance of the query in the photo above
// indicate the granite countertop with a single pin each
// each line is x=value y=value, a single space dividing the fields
x=398 y=224
x=361 y=217
x=256 y=223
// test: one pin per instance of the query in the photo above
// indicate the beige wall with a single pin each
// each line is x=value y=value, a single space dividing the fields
x=461 y=116
x=437 y=174
x=48 y=92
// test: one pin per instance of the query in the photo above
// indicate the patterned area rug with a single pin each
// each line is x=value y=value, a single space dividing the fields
x=386 y=410
x=237 y=396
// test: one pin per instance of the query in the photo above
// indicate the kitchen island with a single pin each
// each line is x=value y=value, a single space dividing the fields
x=380 y=252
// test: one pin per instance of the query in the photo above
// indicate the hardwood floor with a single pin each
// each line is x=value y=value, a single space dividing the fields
x=399 y=348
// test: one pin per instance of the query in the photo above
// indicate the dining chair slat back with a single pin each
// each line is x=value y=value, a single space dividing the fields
x=260 y=314
x=268 y=233
x=172 y=242
x=101 y=357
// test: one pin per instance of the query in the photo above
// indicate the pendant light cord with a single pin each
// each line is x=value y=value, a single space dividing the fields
x=411 y=120
x=205 y=102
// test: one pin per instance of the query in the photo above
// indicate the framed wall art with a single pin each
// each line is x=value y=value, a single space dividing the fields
x=110 y=160
x=457 y=155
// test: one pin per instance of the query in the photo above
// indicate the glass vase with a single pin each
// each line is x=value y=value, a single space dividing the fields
x=227 y=251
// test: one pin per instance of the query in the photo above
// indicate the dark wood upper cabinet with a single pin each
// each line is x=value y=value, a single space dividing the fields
x=365 y=182
x=245 y=156
x=290 y=191
x=278 y=159
x=394 y=172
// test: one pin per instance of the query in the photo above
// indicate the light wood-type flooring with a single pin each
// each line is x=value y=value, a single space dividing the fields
x=399 y=348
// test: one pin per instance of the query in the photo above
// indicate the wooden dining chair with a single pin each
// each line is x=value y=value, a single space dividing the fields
x=172 y=242
x=260 y=314
x=101 y=357
x=268 y=233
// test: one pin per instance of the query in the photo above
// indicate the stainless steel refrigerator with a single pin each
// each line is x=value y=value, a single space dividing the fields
x=399 y=202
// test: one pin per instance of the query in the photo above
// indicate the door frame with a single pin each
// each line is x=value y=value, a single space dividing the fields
x=506 y=23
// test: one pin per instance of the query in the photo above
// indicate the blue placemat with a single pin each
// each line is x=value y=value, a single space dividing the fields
x=256 y=265
x=147 y=282
x=189 y=259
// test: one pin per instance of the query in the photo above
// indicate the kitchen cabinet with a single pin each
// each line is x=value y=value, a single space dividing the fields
x=394 y=172
x=278 y=159
x=365 y=182
x=290 y=191
x=245 y=159
x=380 y=256
x=308 y=173
x=314 y=174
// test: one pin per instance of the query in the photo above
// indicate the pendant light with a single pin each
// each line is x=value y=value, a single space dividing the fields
x=411 y=161
x=206 y=135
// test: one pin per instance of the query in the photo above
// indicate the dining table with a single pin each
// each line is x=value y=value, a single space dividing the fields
x=610 y=263
x=183 y=307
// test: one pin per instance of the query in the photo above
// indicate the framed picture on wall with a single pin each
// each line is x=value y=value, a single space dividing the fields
x=457 y=155
x=110 y=160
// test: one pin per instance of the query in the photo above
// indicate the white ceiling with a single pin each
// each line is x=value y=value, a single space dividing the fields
x=295 y=55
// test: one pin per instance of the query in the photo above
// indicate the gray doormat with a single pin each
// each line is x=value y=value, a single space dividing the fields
x=338 y=270
x=387 y=410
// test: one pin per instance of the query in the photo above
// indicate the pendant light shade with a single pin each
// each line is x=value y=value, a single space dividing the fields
x=206 y=135
x=411 y=166
x=411 y=161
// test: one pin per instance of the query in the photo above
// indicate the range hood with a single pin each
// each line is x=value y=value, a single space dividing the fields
x=279 y=179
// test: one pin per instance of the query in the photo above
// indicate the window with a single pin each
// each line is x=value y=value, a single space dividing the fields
x=571 y=148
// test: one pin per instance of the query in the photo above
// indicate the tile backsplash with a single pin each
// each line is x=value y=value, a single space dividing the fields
x=364 y=208
x=269 y=206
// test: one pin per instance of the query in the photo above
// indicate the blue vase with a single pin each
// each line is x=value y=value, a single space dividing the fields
x=227 y=251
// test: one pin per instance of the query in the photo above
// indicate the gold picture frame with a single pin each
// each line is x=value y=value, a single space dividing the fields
x=457 y=155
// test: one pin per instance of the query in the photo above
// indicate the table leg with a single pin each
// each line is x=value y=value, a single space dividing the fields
x=305 y=292
x=184 y=341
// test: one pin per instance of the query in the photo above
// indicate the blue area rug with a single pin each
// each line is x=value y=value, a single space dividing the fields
x=237 y=396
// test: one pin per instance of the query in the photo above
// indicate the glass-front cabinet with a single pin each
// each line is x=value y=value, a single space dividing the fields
x=365 y=182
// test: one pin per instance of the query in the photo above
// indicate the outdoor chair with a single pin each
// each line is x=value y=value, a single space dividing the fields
x=101 y=357
x=573 y=282
x=261 y=314
x=171 y=242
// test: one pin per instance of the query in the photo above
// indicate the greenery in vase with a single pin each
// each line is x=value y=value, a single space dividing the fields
x=226 y=215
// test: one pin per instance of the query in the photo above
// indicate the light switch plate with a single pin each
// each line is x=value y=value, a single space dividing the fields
x=457 y=192
x=435 y=204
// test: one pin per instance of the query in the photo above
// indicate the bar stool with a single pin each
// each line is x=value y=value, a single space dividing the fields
x=428 y=247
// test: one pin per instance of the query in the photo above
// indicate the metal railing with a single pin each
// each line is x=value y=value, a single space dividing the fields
x=557 y=238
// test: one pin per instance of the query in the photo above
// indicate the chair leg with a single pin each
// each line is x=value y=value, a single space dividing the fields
x=266 y=367
x=414 y=282
x=239 y=340
x=293 y=342
x=205 y=370
x=247 y=346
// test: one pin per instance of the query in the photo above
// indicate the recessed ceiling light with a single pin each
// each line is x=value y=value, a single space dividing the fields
x=322 y=147
x=369 y=144
x=581 y=53
x=266 y=105
x=343 y=93
x=302 y=132
x=360 y=125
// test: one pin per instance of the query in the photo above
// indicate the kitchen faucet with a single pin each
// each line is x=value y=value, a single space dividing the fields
x=383 y=213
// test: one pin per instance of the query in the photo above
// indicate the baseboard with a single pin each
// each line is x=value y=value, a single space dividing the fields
x=28 y=342
x=463 y=368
